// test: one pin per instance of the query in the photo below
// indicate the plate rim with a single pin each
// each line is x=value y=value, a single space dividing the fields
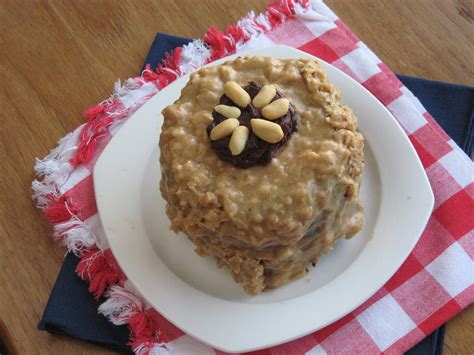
x=99 y=173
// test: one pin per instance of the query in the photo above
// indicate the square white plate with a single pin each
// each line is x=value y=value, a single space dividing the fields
x=203 y=300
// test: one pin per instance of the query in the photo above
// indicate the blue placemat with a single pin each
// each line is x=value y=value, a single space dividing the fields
x=72 y=311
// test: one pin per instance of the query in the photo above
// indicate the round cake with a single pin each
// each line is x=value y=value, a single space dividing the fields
x=261 y=164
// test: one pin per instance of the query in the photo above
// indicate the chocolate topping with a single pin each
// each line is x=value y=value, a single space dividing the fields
x=256 y=150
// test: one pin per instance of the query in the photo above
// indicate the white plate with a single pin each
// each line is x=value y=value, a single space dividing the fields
x=203 y=300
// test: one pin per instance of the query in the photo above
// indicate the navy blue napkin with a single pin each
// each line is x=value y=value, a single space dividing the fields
x=72 y=311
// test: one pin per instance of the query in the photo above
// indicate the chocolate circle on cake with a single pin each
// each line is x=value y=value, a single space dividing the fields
x=256 y=150
x=268 y=222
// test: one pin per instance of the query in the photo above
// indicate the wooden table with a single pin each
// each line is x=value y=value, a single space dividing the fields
x=60 y=57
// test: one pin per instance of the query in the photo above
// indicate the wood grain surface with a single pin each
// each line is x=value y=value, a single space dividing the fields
x=60 y=57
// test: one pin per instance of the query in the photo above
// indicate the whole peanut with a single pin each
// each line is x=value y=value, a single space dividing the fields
x=268 y=131
x=224 y=128
x=228 y=111
x=238 y=140
x=276 y=109
x=235 y=92
x=264 y=96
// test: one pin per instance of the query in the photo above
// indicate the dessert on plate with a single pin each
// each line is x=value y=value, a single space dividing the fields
x=261 y=164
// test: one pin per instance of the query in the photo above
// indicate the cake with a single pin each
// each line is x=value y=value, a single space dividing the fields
x=261 y=165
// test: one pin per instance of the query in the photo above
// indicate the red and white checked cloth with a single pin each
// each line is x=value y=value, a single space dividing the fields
x=435 y=282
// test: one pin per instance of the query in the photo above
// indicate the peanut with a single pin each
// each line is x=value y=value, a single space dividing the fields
x=238 y=140
x=268 y=131
x=264 y=96
x=235 y=92
x=228 y=111
x=276 y=109
x=224 y=128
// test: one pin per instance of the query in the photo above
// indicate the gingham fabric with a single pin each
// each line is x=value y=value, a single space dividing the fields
x=435 y=282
